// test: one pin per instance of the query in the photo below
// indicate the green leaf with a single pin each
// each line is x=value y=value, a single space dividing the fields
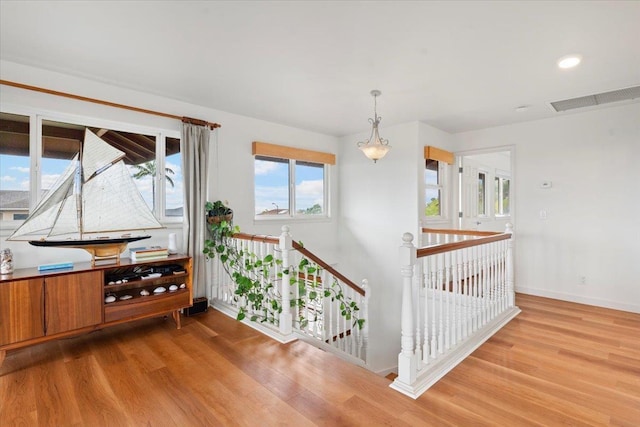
x=268 y=258
x=313 y=295
x=240 y=316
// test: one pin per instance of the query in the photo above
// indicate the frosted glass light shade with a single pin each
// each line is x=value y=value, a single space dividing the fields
x=375 y=151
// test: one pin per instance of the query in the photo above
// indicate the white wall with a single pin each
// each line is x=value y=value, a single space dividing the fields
x=378 y=203
x=593 y=208
x=233 y=180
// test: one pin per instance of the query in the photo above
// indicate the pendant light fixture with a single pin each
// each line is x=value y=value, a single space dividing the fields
x=375 y=147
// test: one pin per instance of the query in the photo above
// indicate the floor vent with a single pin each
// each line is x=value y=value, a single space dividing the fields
x=597 y=99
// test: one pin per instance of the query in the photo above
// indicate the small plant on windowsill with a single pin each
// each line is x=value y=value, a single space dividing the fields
x=258 y=279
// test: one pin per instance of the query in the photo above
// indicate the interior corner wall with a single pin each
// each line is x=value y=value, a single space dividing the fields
x=578 y=240
x=231 y=154
x=379 y=202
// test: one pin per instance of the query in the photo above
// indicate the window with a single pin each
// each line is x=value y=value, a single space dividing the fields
x=482 y=194
x=36 y=150
x=271 y=186
x=173 y=201
x=15 y=167
x=501 y=196
x=436 y=173
x=433 y=188
x=290 y=182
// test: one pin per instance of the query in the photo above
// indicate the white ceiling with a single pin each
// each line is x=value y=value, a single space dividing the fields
x=455 y=65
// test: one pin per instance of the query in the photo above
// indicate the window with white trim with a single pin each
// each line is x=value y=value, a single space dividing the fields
x=502 y=189
x=290 y=182
x=36 y=148
x=434 y=179
x=436 y=173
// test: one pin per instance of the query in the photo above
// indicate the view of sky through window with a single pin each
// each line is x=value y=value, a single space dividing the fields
x=272 y=186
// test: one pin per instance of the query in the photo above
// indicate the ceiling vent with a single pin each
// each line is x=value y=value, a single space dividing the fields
x=597 y=99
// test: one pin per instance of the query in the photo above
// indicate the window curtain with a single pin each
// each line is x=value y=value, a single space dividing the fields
x=194 y=147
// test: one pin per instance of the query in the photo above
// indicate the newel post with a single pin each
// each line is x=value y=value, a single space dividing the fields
x=510 y=261
x=407 y=364
x=286 y=319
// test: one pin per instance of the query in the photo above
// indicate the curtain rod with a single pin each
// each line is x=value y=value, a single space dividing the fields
x=111 y=104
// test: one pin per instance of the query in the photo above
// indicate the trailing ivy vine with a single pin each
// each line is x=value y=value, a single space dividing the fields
x=258 y=279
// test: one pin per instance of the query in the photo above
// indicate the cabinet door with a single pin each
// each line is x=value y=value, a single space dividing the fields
x=21 y=310
x=73 y=301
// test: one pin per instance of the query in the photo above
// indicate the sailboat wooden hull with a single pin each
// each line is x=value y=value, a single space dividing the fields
x=100 y=249
x=86 y=242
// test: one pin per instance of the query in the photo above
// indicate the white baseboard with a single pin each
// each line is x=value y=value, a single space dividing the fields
x=598 y=302
x=385 y=372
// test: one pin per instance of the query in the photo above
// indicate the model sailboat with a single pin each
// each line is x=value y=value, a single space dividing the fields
x=95 y=196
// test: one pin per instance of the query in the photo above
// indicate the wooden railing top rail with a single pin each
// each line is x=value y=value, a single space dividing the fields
x=460 y=232
x=256 y=238
x=297 y=246
x=327 y=267
x=447 y=247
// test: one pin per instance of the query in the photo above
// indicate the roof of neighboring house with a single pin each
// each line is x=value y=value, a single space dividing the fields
x=274 y=212
x=174 y=211
x=14 y=200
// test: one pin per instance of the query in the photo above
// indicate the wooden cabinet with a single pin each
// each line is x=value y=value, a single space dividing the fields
x=72 y=301
x=40 y=306
x=21 y=310
x=50 y=305
x=141 y=294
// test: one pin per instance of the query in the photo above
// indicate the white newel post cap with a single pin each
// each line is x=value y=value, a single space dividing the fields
x=407 y=250
x=285 y=238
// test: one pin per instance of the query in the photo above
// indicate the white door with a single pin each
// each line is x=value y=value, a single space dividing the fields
x=482 y=198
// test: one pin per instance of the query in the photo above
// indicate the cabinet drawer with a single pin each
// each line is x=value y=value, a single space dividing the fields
x=147 y=306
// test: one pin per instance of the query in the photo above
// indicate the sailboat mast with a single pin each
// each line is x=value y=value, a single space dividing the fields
x=78 y=191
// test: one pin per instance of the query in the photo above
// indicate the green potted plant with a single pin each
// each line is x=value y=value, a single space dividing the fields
x=255 y=277
x=218 y=212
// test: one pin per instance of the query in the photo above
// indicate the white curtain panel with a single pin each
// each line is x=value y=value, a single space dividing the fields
x=194 y=147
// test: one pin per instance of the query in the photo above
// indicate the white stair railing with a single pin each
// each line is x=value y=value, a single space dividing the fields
x=455 y=296
x=317 y=303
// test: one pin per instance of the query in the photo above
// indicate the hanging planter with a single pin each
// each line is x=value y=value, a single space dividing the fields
x=217 y=219
x=218 y=212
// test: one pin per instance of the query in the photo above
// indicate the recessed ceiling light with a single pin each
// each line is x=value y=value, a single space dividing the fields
x=569 y=61
x=522 y=108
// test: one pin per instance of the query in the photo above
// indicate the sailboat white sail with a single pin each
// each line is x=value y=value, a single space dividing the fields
x=95 y=195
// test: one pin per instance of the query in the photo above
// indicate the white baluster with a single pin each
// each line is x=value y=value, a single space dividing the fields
x=510 y=282
x=416 y=285
x=433 y=266
x=286 y=318
x=407 y=366
x=363 y=334
x=485 y=283
x=467 y=295
x=447 y=295
x=426 y=279
x=457 y=268
x=440 y=284
x=476 y=288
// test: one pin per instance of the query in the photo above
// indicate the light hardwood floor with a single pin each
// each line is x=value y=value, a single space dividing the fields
x=557 y=363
